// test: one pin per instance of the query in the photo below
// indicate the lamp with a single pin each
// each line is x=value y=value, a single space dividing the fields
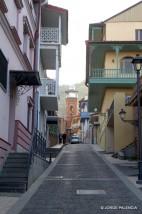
x=122 y=115
x=137 y=63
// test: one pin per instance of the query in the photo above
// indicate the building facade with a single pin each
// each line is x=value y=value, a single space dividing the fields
x=110 y=75
x=18 y=26
x=32 y=33
x=84 y=120
x=53 y=34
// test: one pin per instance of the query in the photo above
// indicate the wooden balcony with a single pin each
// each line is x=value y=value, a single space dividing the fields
x=48 y=94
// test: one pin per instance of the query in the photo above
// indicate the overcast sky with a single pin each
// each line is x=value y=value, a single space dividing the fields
x=81 y=14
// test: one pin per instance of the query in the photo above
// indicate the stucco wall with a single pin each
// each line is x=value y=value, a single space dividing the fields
x=109 y=96
x=110 y=58
x=22 y=107
x=114 y=31
x=121 y=139
x=13 y=64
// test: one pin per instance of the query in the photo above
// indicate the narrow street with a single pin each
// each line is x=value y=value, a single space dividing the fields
x=79 y=182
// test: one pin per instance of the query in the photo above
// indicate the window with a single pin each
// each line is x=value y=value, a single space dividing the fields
x=138 y=34
x=126 y=64
x=3 y=71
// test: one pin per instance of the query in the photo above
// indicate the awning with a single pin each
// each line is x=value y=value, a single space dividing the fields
x=25 y=78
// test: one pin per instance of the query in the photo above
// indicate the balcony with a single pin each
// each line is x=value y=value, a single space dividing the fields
x=100 y=79
x=48 y=87
x=48 y=94
x=49 y=35
x=112 y=75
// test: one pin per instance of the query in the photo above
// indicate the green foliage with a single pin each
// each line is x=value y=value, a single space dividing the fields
x=82 y=92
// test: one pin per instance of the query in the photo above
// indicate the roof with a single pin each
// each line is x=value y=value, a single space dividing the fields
x=123 y=11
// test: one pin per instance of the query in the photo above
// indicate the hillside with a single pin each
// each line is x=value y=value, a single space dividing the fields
x=82 y=92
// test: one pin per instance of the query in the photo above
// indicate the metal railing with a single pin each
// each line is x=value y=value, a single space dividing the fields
x=38 y=146
x=48 y=87
x=49 y=35
x=112 y=73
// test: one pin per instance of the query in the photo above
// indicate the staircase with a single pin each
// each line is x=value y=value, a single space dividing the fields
x=14 y=175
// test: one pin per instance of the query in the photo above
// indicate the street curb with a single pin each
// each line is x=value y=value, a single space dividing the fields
x=24 y=199
x=122 y=177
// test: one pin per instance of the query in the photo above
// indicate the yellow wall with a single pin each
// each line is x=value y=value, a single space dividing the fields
x=120 y=134
x=110 y=58
x=124 y=133
x=109 y=96
x=122 y=31
x=102 y=132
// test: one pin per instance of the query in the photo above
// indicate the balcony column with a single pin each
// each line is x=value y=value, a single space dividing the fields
x=91 y=50
x=57 y=71
x=117 y=50
x=60 y=38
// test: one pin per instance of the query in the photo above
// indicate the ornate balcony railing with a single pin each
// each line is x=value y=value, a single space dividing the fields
x=48 y=87
x=112 y=73
x=49 y=35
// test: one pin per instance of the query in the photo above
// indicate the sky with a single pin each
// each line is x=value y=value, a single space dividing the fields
x=81 y=13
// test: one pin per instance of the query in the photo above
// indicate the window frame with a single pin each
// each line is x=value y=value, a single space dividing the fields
x=138 y=34
x=3 y=85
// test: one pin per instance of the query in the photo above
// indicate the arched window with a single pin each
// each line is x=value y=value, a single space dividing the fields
x=126 y=64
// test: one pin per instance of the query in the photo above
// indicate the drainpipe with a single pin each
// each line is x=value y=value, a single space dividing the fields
x=36 y=64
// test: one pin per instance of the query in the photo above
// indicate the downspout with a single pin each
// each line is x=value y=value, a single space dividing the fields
x=36 y=63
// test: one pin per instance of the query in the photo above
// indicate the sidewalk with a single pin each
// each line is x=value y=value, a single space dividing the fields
x=81 y=180
x=128 y=168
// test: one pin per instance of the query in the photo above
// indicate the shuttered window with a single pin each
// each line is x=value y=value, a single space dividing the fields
x=3 y=71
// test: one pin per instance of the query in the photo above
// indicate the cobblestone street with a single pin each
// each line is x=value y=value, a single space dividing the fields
x=79 y=181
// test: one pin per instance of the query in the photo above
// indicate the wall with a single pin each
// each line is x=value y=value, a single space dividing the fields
x=102 y=132
x=11 y=57
x=37 y=168
x=110 y=58
x=114 y=31
x=109 y=96
x=124 y=133
x=109 y=139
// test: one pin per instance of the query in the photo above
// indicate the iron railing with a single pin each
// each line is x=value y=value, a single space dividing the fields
x=48 y=87
x=112 y=73
x=38 y=146
x=49 y=35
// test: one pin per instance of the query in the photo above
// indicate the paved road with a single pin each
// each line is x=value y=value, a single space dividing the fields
x=82 y=183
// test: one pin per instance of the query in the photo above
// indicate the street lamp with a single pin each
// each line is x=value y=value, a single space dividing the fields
x=137 y=63
x=122 y=115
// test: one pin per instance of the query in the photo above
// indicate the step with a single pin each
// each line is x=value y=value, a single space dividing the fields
x=14 y=175
x=13 y=180
x=18 y=155
x=14 y=170
x=7 y=189
x=16 y=164
x=21 y=160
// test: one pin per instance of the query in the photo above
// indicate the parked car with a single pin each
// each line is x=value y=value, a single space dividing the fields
x=75 y=139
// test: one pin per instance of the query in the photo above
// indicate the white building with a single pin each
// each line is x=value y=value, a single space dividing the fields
x=53 y=34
